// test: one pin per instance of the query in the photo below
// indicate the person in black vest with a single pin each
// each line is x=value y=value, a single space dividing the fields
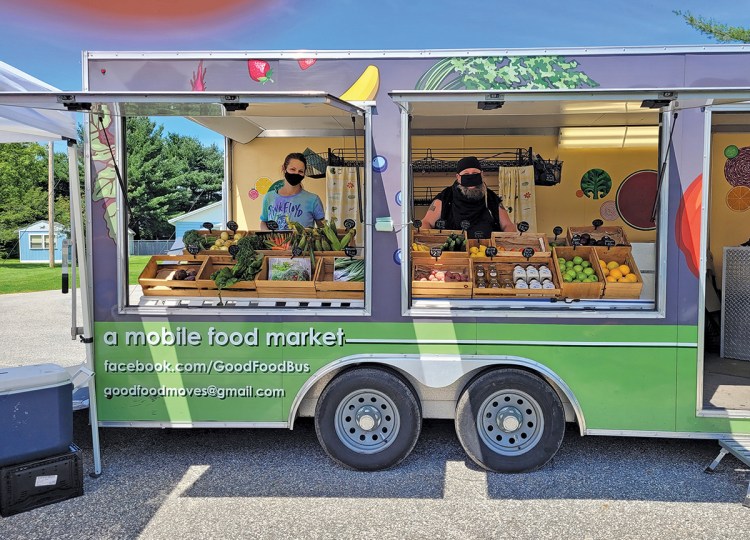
x=469 y=199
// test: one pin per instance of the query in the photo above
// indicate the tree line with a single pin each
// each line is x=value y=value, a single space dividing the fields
x=168 y=174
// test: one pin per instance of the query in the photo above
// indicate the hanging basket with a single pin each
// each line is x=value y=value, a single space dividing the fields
x=547 y=172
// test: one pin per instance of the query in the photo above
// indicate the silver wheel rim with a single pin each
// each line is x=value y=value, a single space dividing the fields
x=367 y=421
x=510 y=422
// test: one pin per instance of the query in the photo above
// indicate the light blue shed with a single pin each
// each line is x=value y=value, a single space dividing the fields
x=33 y=242
x=195 y=220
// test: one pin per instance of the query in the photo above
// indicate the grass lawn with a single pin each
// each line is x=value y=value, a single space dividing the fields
x=16 y=277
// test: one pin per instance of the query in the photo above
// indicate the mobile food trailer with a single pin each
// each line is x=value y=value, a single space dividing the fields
x=651 y=144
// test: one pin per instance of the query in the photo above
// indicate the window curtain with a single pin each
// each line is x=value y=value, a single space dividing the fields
x=516 y=187
x=342 y=195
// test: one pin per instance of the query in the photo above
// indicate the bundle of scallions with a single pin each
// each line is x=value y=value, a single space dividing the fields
x=346 y=269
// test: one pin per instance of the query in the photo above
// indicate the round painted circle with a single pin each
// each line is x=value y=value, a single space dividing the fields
x=379 y=164
x=608 y=211
x=731 y=151
x=635 y=200
x=399 y=198
x=253 y=194
x=737 y=169
x=397 y=257
x=579 y=193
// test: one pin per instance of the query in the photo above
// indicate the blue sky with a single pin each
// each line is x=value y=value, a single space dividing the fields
x=48 y=44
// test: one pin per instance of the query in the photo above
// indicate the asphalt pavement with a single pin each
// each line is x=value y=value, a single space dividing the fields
x=177 y=483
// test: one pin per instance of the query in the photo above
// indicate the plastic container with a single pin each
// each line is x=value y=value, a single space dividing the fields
x=36 y=412
x=41 y=482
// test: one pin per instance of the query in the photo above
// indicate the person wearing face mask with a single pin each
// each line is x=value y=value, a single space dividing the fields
x=469 y=199
x=291 y=202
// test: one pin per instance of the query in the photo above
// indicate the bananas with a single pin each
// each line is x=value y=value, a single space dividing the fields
x=365 y=88
x=416 y=246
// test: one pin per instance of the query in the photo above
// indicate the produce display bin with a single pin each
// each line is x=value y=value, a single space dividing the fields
x=579 y=290
x=327 y=287
x=511 y=244
x=208 y=286
x=506 y=289
x=36 y=412
x=36 y=483
x=614 y=232
x=267 y=288
x=623 y=255
x=433 y=238
x=423 y=266
x=158 y=276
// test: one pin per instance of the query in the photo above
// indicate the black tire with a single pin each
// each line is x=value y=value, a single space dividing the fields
x=509 y=421
x=384 y=403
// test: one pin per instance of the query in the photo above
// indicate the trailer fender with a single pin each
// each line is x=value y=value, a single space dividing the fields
x=439 y=371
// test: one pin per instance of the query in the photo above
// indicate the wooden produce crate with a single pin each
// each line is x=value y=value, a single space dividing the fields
x=208 y=286
x=511 y=244
x=440 y=289
x=504 y=268
x=621 y=254
x=267 y=288
x=326 y=287
x=157 y=277
x=614 y=232
x=578 y=290
x=434 y=239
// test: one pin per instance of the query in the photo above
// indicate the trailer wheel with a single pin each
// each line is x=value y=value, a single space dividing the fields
x=510 y=421
x=368 y=419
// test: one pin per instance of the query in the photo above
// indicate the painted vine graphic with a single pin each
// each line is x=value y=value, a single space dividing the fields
x=102 y=137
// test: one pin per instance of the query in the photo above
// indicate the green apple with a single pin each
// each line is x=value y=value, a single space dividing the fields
x=578 y=268
x=585 y=264
x=588 y=271
x=577 y=259
x=568 y=264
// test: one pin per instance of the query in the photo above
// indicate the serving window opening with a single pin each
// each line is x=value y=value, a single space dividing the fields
x=282 y=228
x=578 y=223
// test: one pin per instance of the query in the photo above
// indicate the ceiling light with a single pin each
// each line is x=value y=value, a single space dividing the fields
x=609 y=137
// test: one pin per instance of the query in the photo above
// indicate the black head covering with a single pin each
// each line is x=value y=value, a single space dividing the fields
x=469 y=162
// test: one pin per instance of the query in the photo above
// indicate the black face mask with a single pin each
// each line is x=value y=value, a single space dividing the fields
x=293 y=179
x=468 y=180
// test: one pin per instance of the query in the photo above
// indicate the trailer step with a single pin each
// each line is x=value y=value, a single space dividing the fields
x=739 y=447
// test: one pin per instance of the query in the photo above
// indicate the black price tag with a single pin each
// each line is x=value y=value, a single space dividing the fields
x=417 y=224
x=350 y=251
x=232 y=226
x=193 y=249
x=490 y=252
x=597 y=223
x=436 y=252
x=479 y=235
x=233 y=251
x=440 y=224
x=272 y=225
x=465 y=224
x=349 y=224
x=296 y=251
x=557 y=231
x=528 y=253
x=609 y=242
x=576 y=240
x=523 y=227
x=208 y=225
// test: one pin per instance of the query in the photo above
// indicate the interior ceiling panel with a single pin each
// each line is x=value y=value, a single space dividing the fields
x=530 y=115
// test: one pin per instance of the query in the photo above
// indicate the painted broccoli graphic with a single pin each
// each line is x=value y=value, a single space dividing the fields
x=504 y=73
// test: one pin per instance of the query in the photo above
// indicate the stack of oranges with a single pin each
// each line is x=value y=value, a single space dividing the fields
x=615 y=272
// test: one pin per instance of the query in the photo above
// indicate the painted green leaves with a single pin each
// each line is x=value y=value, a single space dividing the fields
x=596 y=183
x=504 y=73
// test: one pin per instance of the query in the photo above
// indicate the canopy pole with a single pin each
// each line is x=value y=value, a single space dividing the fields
x=86 y=300
x=51 y=240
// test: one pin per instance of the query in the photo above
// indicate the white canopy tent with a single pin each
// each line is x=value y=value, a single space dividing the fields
x=19 y=124
x=27 y=124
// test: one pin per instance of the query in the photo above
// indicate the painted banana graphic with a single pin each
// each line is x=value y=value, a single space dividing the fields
x=365 y=88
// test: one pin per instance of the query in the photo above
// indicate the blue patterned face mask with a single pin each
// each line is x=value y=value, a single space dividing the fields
x=293 y=179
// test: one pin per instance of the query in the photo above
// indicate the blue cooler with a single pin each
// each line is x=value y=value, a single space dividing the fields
x=36 y=412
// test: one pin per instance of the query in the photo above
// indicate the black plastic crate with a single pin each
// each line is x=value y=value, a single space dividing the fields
x=32 y=484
